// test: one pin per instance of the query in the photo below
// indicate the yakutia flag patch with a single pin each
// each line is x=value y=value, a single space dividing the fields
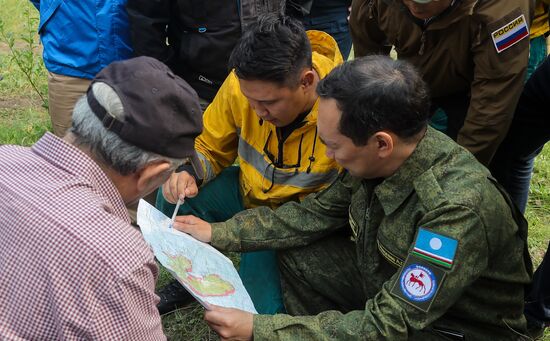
x=435 y=248
x=510 y=34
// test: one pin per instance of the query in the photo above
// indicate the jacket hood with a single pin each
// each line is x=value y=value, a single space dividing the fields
x=325 y=52
x=325 y=57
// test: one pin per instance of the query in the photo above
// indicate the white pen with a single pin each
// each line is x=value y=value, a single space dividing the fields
x=181 y=199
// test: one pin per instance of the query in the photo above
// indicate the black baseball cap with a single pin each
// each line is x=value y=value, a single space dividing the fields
x=161 y=111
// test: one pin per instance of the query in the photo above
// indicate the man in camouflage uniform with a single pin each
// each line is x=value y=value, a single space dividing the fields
x=437 y=251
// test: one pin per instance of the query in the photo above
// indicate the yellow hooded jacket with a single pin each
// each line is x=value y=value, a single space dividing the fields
x=232 y=128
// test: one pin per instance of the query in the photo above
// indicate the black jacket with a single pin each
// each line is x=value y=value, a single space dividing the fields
x=193 y=37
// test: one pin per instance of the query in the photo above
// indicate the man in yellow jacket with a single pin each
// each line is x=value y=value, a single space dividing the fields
x=265 y=115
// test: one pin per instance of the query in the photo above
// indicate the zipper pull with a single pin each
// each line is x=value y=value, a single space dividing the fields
x=370 y=9
x=422 y=43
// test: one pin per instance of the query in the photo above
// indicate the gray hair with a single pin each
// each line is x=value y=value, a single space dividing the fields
x=104 y=144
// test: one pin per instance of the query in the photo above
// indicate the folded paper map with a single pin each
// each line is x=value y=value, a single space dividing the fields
x=204 y=271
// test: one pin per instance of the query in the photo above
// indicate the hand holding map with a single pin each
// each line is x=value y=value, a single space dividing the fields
x=204 y=271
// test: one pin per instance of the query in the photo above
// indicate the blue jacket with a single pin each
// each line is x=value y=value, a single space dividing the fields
x=80 y=37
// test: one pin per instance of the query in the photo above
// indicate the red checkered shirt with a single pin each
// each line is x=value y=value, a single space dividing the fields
x=71 y=265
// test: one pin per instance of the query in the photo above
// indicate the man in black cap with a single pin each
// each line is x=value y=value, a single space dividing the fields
x=65 y=235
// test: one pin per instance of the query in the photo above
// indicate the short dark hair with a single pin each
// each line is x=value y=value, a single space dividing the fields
x=377 y=93
x=275 y=48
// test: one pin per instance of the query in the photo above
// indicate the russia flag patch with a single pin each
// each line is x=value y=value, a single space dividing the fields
x=510 y=34
x=435 y=248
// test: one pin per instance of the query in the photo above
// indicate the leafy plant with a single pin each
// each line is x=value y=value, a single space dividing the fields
x=24 y=54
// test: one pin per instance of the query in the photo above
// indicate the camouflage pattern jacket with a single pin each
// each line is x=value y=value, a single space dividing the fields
x=474 y=287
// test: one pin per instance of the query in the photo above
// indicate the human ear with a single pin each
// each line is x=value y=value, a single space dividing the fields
x=307 y=79
x=384 y=144
x=152 y=173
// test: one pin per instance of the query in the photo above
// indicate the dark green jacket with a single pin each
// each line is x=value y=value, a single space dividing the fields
x=441 y=188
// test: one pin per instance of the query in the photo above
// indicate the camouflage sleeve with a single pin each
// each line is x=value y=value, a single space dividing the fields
x=390 y=315
x=499 y=74
x=293 y=224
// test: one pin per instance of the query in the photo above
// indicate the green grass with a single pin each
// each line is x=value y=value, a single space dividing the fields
x=22 y=126
x=187 y=323
x=23 y=119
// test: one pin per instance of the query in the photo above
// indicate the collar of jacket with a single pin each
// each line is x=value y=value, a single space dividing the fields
x=393 y=191
x=463 y=8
